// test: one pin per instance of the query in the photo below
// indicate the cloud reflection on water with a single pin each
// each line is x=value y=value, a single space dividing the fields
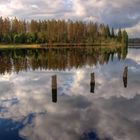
x=111 y=112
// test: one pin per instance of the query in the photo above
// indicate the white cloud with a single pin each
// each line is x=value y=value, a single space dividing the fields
x=134 y=31
x=79 y=8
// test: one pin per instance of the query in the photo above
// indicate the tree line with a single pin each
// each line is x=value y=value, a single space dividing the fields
x=57 y=31
x=134 y=40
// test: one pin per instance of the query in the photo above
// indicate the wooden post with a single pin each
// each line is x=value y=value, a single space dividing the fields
x=92 y=83
x=125 y=75
x=54 y=88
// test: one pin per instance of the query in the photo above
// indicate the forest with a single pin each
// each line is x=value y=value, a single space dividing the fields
x=15 y=31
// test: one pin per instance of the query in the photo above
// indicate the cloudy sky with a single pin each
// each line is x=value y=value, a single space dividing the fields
x=116 y=13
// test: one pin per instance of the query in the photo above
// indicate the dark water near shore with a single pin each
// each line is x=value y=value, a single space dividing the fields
x=28 y=113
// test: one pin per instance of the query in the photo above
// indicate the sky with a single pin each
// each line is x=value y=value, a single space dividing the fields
x=116 y=13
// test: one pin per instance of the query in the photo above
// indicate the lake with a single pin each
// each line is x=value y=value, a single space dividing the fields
x=76 y=110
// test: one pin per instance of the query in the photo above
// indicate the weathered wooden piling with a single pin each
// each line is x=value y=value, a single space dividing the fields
x=125 y=76
x=92 y=83
x=54 y=88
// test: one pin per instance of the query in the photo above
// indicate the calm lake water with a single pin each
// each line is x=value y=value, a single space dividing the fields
x=27 y=110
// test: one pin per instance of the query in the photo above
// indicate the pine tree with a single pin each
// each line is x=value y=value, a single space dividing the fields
x=112 y=33
x=119 y=35
x=125 y=37
x=108 y=31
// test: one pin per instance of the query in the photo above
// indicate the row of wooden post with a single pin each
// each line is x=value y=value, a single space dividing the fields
x=92 y=83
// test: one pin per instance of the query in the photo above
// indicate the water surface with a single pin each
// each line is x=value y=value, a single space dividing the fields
x=28 y=113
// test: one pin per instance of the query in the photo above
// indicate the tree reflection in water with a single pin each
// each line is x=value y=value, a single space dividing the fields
x=56 y=59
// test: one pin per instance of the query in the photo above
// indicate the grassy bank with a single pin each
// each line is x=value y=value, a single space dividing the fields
x=6 y=46
x=61 y=45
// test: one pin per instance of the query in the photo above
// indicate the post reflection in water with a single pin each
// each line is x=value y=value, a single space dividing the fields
x=54 y=88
